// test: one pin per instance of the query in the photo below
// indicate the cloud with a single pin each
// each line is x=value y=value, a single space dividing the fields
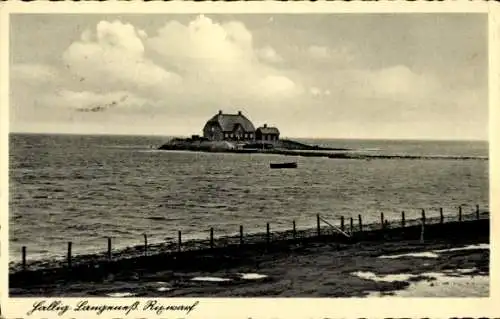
x=199 y=64
x=142 y=34
x=34 y=73
x=183 y=71
x=318 y=52
x=268 y=54
x=394 y=83
x=317 y=92
x=212 y=56
x=92 y=102
x=113 y=58
x=277 y=86
x=338 y=56
x=204 y=43
x=399 y=82
x=179 y=69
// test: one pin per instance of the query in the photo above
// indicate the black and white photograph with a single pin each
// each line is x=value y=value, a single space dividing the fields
x=332 y=155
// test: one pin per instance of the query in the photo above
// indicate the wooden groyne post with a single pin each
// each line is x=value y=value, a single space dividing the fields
x=352 y=225
x=382 y=221
x=145 y=244
x=241 y=235
x=342 y=223
x=403 y=219
x=109 y=247
x=460 y=213
x=423 y=216
x=477 y=212
x=441 y=215
x=360 y=223
x=318 y=225
x=179 y=241
x=211 y=237
x=268 y=234
x=294 y=230
x=69 y=254
x=422 y=227
x=24 y=257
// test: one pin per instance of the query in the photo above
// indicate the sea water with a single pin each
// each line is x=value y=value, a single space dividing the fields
x=85 y=188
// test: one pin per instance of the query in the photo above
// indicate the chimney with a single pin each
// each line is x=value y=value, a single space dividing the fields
x=239 y=112
x=265 y=125
x=220 y=112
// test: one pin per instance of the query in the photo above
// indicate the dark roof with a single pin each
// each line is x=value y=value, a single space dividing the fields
x=228 y=121
x=268 y=130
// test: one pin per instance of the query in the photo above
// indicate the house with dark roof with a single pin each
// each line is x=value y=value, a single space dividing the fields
x=229 y=127
x=266 y=133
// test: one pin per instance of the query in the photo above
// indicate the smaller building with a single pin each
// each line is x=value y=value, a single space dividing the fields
x=266 y=133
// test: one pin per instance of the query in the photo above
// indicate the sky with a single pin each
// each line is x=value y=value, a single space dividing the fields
x=394 y=76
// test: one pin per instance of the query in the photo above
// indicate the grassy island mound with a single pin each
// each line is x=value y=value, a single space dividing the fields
x=202 y=144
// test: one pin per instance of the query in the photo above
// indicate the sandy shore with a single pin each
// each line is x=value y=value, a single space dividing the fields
x=455 y=268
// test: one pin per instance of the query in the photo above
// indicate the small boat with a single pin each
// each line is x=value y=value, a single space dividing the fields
x=284 y=165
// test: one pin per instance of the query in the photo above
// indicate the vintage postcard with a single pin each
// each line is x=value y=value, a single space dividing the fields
x=249 y=160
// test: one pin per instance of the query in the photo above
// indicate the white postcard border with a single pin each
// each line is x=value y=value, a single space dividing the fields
x=270 y=307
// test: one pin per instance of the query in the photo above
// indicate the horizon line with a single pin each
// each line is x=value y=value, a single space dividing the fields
x=282 y=137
